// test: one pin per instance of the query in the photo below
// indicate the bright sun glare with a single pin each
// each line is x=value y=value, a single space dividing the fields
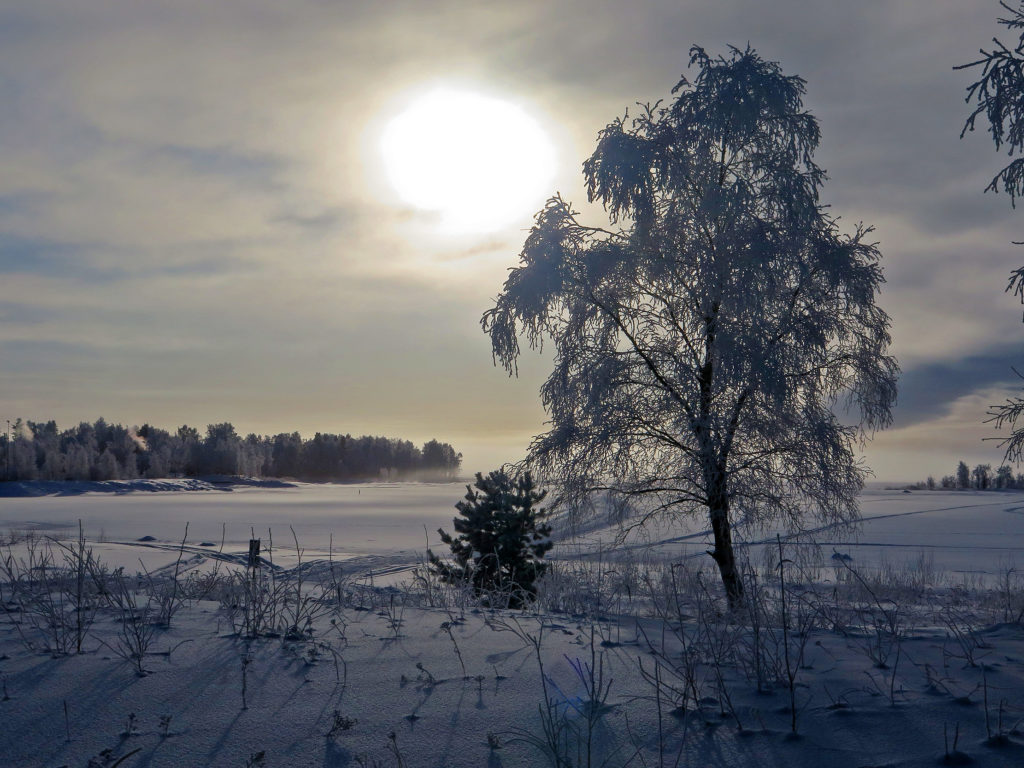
x=478 y=162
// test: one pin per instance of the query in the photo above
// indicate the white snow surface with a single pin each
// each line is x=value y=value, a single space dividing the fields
x=369 y=524
x=966 y=532
x=420 y=695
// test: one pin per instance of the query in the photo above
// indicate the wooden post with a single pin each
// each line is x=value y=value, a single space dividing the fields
x=254 y=556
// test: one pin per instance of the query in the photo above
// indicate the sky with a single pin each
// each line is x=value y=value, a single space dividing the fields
x=197 y=224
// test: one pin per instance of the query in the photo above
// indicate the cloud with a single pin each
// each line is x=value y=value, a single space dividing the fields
x=935 y=447
x=246 y=169
x=319 y=222
x=931 y=390
x=192 y=215
x=40 y=256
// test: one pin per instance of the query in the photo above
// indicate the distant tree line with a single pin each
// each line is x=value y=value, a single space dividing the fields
x=102 y=451
x=981 y=478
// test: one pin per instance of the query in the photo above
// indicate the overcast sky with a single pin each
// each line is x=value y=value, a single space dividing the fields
x=195 y=225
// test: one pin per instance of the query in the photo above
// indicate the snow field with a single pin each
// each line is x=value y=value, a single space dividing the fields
x=628 y=658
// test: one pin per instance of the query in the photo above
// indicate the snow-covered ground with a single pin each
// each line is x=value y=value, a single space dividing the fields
x=365 y=523
x=915 y=660
x=964 y=532
x=959 y=532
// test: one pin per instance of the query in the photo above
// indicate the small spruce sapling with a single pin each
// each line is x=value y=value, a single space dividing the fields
x=501 y=538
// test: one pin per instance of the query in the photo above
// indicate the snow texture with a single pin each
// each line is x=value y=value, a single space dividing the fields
x=461 y=685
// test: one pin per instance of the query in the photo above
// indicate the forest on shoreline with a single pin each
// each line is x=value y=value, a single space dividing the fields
x=981 y=478
x=104 y=451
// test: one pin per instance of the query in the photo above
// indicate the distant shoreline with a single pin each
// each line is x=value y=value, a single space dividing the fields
x=30 y=488
x=219 y=483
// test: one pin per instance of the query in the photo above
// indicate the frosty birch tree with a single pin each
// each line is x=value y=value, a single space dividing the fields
x=998 y=97
x=701 y=345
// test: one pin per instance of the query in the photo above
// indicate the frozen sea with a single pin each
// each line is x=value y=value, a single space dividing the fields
x=386 y=527
x=373 y=525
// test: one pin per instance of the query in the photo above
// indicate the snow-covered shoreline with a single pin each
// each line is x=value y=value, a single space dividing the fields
x=34 y=488
x=615 y=667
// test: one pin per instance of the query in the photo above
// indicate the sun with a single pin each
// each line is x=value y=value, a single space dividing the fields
x=476 y=161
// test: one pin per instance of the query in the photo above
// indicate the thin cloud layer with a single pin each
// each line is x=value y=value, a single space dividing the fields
x=194 y=224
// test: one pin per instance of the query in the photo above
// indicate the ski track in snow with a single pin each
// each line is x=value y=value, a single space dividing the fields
x=405 y=678
x=1010 y=546
x=379 y=528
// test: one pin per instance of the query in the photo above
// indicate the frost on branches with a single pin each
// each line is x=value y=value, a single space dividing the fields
x=704 y=343
x=998 y=97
